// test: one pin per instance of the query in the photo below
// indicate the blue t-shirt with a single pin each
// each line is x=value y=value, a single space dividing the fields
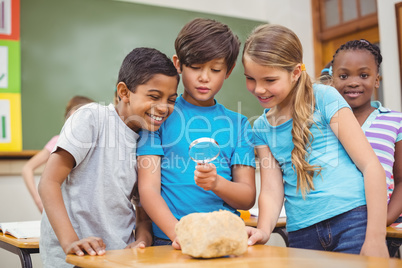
x=188 y=122
x=339 y=188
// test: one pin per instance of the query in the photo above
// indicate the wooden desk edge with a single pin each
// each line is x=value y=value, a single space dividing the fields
x=26 y=154
x=20 y=242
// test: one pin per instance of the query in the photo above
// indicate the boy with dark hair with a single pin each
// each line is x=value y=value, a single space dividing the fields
x=86 y=187
x=171 y=185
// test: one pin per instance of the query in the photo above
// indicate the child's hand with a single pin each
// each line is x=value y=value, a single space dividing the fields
x=176 y=244
x=137 y=244
x=205 y=176
x=256 y=236
x=374 y=249
x=91 y=245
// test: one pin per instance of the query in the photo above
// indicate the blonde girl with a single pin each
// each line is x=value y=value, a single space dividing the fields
x=312 y=153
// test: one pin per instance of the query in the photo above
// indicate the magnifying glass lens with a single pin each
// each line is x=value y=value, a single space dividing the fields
x=204 y=150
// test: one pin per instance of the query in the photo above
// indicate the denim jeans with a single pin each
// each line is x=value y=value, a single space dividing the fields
x=343 y=233
x=393 y=245
x=161 y=242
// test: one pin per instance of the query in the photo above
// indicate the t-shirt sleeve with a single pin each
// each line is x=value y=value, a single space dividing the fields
x=244 y=150
x=50 y=145
x=79 y=133
x=328 y=101
x=399 y=134
x=258 y=130
x=150 y=143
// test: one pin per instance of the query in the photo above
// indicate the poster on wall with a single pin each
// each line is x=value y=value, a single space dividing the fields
x=10 y=20
x=5 y=17
x=10 y=122
x=3 y=67
x=10 y=66
x=5 y=119
x=10 y=76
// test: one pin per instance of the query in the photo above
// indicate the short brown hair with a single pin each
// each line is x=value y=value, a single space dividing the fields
x=202 y=40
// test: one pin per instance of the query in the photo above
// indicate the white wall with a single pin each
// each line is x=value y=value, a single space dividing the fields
x=297 y=15
x=294 y=14
x=389 y=51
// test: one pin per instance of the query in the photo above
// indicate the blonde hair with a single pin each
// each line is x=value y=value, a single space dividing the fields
x=278 y=47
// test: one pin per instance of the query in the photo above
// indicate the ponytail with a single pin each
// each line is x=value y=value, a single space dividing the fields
x=303 y=109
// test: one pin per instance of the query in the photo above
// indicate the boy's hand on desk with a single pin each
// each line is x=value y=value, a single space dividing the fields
x=205 y=176
x=91 y=245
x=137 y=244
x=176 y=244
x=256 y=236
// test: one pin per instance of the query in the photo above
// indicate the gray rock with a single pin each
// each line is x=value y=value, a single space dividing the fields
x=210 y=235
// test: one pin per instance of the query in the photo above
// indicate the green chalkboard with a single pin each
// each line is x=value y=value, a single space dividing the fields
x=75 y=47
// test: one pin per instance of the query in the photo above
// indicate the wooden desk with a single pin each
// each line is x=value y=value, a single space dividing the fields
x=394 y=234
x=280 y=227
x=23 y=247
x=255 y=257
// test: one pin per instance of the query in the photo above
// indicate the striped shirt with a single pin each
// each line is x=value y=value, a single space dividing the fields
x=383 y=128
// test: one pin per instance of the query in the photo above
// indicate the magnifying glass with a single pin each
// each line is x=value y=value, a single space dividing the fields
x=204 y=150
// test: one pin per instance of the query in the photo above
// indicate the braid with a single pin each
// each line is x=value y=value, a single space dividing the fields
x=304 y=103
x=277 y=46
x=361 y=44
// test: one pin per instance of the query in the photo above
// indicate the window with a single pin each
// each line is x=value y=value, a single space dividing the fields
x=341 y=17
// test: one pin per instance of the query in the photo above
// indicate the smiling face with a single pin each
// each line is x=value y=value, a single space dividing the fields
x=271 y=86
x=355 y=76
x=150 y=104
x=202 y=81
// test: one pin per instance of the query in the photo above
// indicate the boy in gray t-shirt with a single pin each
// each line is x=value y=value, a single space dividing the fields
x=88 y=183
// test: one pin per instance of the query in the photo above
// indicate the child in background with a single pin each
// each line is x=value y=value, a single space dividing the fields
x=41 y=158
x=313 y=152
x=171 y=185
x=356 y=67
x=326 y=74
x=93 y=166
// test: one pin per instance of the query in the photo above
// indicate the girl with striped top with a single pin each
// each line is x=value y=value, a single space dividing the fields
x=355 y=67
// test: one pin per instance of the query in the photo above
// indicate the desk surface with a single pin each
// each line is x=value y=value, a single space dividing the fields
x=20 y=242
x=252 y=221
x=256 y=256
x=394 y=232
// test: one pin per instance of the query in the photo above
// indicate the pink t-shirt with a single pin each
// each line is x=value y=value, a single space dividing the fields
x=50 y=145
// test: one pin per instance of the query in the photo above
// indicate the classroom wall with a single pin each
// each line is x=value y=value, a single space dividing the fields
x=297 y=15
x=76 y=47
x=389 y=51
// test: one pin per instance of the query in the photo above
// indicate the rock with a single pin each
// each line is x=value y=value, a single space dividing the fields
x=210 y=235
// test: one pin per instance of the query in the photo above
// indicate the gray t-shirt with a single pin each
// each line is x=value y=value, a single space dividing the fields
x=97 y=191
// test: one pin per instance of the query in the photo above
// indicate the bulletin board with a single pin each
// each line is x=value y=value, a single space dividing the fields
x=10 y=77
x=76 y=47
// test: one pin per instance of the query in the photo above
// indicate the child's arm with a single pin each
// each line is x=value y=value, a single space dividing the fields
x=271 y=197
x=28 y=174
x=58 y=167
x=239 y=193
x=349 y=133
x=395 y=203
x=143 y=229
x=149 y=186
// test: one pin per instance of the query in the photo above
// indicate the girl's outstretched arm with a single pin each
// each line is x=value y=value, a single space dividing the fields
x=395 y=203
x=349 y=133
x=28 y=174
x=271 y=197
